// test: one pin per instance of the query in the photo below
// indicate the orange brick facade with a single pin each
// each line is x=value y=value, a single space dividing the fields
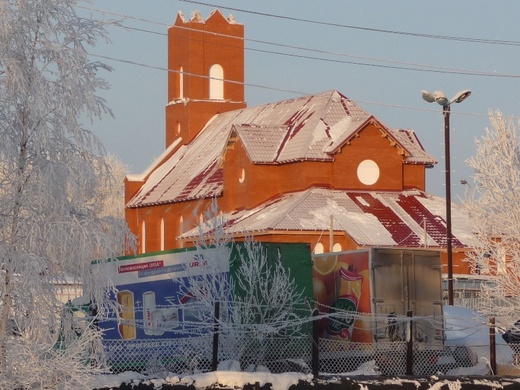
x=192 y=53
x=193 y=47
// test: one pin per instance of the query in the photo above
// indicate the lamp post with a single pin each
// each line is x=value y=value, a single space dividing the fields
x=441 y=99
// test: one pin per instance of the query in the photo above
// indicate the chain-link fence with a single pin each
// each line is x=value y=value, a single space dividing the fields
x=333 y=342
x=179 y=355
x=391 y=358
x=295 y=354
x=193 y=355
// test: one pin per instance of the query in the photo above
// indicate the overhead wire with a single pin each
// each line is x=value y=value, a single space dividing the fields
x=194 y=74
x=377 y=30
x=399 y=65
x=295 y=92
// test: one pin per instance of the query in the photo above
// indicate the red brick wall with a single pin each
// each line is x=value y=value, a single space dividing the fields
x=262 y=182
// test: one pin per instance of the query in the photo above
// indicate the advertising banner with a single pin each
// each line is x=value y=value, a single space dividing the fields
x=341 y=284
x=154 y=293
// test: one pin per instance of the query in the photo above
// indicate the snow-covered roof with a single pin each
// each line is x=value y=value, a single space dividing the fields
x=306 y=128
x=370 y=218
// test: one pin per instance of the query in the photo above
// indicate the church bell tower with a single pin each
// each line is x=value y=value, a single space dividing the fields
x=206 y=73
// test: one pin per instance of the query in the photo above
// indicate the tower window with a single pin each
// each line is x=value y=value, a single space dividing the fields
x=143 y=237
x=162 y=233
x=216 y=82
x=181 y=83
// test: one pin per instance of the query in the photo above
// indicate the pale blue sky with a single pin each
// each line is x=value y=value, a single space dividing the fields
x=368 y=68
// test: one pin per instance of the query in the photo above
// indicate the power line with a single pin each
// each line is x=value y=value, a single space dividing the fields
x=378 y=30
x=195 y=75
x=396 y=65
x=297 y=93
x=406 y=33
x=300 y=93
x=428 y=68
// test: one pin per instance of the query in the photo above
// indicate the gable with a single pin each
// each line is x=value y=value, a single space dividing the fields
x=405 y=142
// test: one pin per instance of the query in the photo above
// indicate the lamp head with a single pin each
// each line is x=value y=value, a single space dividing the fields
x=428 y=96
x=461 y=96
x=440 y=98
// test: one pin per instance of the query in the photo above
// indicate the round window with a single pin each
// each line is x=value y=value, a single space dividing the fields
x=368 y=172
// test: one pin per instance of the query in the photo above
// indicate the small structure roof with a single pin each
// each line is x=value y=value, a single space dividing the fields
x=409 y=218
x=307 y=128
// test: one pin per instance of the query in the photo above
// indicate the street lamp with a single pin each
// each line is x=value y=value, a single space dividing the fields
x=441 y=99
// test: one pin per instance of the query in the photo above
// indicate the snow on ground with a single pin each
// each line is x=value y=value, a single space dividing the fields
x=228 y=375
x=231 y=379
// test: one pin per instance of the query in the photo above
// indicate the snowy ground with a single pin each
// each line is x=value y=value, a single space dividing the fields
x=237 y=380
x=230 y=379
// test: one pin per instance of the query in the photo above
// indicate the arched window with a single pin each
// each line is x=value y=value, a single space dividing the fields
x=143 y=237
x=161 y=229
x=318 y=248
x=181 y=83
x=181 y=228
x=216 y=82
x=336 y=247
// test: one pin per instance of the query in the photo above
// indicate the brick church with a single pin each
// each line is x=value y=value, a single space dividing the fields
x=317 y=169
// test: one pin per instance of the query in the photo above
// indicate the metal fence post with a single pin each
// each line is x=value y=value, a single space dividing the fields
x=315 y=345
x=409 y=344
x=492 y=346
x=214 y=363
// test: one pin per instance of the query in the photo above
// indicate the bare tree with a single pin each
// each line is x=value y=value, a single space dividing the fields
x=494 y=208
x=51 y=165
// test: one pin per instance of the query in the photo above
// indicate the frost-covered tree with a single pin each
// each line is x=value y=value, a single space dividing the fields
x=494 y=208
x=258 y=303
x=50 y=168
x=111 y=192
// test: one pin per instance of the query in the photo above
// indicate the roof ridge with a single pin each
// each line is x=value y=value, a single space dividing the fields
x=297 y=196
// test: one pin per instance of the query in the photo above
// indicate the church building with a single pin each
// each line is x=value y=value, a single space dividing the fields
x=317 y=169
